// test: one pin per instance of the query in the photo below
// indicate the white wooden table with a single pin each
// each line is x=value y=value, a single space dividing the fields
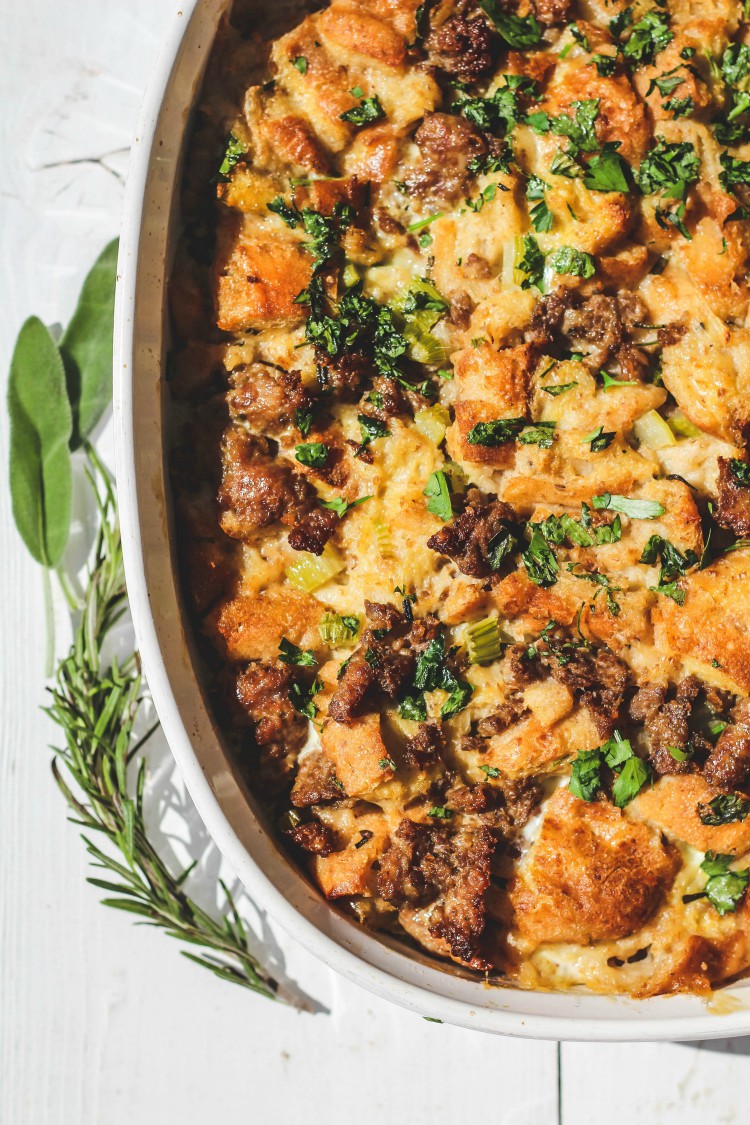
x=102 y=1023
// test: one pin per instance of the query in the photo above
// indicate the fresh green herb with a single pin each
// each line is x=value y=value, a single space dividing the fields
x=430 y=665
x=491 y=771
x=288 y=212
x=497 y=432
x=617 y=753
x=740 y=470
x=673 y=565
x=233 y=153
x=568 y=260
x=541 y=217
x=579 y=129
x=635 y=509
x=585 y=779
x=606 y=65
x=519 y=32
x=667 y=84
x=290 y=653
x=541 y=434
x=313 y=453
x=486 y=195
x=438 y=495
x=669 y=169
x=727 y=808
x=603 y=583
x=86 y=346
x=387 y=764
x=555 y=389
x=41 y=428
x=341 y=506
x=440 y=812
x=368 y=110
x=608 y=382
x=539 y=560
x=461 y=692
x=502 y=544
x=724 y=888
x=302 y=698
x=634 y=775
x=413 y=707
x=300 y=63
x=598 y=439
x=607 y=171
x=532 y=263
x=496 y=114
x=96 y=705
x=680 y=107
x=420 y=223
x=371 y=428
x=303 y=418
x=648 y=38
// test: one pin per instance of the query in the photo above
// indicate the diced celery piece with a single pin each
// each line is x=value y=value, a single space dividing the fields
x=433 y=422
x=313 y=571
x=383 y=537
x=483 y=641
x=682 y=426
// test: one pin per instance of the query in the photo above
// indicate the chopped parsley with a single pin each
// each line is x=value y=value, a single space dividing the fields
x=387 y=764
x=371 y=429
x=632 y=773
x=541 y=217
x=291 y=654
x=368 y=110
x=598 y=440
x=413 y=707
x=233 y=153
x=673 y=565
x=539 y=560
x=497 y=114
x=569 y=260
x=555 y=389
x=491 y=771
x=341 y=506
x=603 y=583
x=285 y=211
x=313 y=453
x=607 y=171
x=740 y=470
x=727 y=808
x=303 y=417
x=302 y=698
x=438 y=495
x=540 y=433
x=497 y=432
x=608 y=382
x=300 y=64
x=724 y=888
x=532 y=263
x=648 y=38
x=635 y=509
x=503 y=544
x=519 y=32
x=440 y=812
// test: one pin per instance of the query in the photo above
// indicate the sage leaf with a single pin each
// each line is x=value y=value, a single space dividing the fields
x=86 y=346
x=40 y=428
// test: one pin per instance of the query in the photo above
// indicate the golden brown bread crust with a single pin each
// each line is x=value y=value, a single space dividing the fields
x=591 y=874
x=462 y=500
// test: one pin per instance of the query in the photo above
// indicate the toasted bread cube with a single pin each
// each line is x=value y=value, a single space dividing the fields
x=591 y=875
x=258 y=277
x=356 y=750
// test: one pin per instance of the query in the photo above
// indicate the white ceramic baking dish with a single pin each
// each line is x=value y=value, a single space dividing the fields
x=229 y=814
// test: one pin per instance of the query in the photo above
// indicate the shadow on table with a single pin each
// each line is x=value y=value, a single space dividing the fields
x=181 y=838
x=739 y=1046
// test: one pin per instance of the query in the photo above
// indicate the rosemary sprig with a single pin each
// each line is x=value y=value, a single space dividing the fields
x=95 y=704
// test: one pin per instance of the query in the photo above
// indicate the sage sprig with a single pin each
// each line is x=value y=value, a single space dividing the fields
x=86 y=346
x=41 y=424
